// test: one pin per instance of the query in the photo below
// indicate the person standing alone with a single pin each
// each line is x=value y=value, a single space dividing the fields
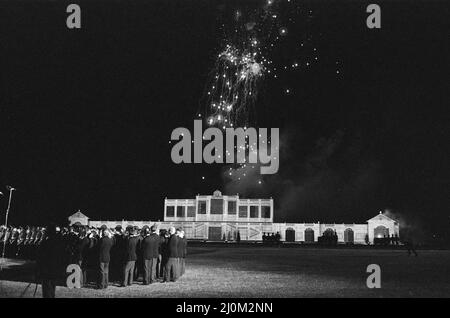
x=50 y=267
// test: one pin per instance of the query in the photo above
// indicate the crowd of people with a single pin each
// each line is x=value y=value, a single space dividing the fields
x=21 y=242
x=118 y=255
x=328 y=238
x=271 y=237
x=387 y=240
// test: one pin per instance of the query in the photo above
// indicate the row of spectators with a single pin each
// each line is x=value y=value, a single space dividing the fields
x=328 y=238
x=387 y=240
x=271 y=237
x=21 y=242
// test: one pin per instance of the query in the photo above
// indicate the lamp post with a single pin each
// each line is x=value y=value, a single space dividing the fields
x=11 y=189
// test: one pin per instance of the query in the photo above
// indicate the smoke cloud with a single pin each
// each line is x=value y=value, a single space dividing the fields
x=411 y=228
x=333 y=177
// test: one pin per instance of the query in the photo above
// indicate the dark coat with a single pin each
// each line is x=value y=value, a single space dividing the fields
x=181 y=247
x=118 y=251
x=131 y=245
x=104 y=248
x=50 y=263
x=83 y=246
x=163 y=247
x=184 y=247
x=150 y=246
x=172 y=246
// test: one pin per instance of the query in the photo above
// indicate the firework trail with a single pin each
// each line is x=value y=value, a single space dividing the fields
x=241 y=66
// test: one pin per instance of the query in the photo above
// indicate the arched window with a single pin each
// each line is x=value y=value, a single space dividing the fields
x=380 y=232
x=290 y=234
x=349 y=236
x=309 y=235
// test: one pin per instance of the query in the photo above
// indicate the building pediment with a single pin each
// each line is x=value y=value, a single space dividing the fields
x=78 y=215
x=381 y=217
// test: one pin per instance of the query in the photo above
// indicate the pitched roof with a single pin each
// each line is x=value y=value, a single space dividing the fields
x=78 y=215
x=380 y=217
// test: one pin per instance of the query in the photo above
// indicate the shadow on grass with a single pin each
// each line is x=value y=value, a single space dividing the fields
x=25 y=272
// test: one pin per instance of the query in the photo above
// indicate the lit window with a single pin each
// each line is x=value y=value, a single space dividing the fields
x=216 y=206
x=170 y=211
x=243 y=211
x=253 y=211
x=191 y=211
x=265 y=212
x=201 y=207
x=232 y=207
x=180 y=211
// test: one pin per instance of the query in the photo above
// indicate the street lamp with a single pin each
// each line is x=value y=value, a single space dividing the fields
x=10 y=189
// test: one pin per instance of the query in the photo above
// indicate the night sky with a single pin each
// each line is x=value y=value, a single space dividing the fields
x=86 y=115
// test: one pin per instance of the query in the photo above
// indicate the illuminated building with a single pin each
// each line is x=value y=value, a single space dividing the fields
x=220 y=217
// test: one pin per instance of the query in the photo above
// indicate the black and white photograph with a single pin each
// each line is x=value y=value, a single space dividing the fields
x=236 y=150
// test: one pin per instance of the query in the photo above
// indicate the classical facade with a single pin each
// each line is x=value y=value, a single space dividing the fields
x=220 y=217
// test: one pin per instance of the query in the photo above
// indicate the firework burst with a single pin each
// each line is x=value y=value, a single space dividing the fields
x=234 y=90
x=244 y=61
x=257 y=46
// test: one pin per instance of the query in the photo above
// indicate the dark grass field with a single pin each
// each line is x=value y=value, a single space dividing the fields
x=246 y=271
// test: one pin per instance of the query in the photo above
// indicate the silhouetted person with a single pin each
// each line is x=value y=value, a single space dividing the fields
x=410 y=246
x=104 y=247
x=163 y=253
x=182 y=251
x=171 y=270
x=150 y=253
x=50 y=265
x=396 y=239
x=139 y=266
x=130 y=244
x=83 y=245
x=278 y=238
x=117 y=255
